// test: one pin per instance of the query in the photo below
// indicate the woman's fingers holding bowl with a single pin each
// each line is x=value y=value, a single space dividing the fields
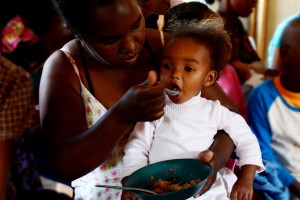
x=207 y=156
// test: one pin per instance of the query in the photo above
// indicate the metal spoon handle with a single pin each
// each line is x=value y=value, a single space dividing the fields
x=127 y=188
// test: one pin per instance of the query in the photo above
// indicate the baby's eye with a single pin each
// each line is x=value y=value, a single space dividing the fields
x=189 y=69
x=167 y=66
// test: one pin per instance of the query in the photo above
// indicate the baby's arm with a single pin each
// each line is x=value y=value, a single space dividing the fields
x=248 y=151
x=136 y=152
x=138 y=148
x=243 y=187
x=247 y=146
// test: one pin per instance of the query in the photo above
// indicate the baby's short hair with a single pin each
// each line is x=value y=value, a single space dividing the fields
x=187 y=11
x=209 y=32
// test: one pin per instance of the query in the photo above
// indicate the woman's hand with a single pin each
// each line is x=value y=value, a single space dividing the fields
x=143 y=102
x=218 y=155
x=207 y=157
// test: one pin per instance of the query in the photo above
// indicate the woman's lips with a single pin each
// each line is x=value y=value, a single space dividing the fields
x=131 y=59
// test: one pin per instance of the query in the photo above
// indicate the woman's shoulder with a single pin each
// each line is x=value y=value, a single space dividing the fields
x=58 y=66
x=58 y=58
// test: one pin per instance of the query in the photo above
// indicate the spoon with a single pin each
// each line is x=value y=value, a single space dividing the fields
x=172 y=92
x=127 y=188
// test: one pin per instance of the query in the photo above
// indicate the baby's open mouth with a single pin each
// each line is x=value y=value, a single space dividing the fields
x=175 y=90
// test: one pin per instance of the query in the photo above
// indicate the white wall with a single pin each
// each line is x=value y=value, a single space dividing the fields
x=278 y=10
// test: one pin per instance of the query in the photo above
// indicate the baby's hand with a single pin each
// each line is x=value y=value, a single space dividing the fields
x=126 y=195
x=242 y=190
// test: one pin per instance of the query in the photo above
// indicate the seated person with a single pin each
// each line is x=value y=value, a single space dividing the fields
x=274 y=116
x=16 y=111
x=191 y=60
x=244 y=57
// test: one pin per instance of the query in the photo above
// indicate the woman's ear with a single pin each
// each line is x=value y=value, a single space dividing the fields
x=210 y=78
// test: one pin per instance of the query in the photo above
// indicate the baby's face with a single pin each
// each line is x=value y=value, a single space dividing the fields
x=185 y=67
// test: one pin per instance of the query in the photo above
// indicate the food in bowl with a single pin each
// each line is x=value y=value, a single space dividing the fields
x=161 y=186
x=184 y=170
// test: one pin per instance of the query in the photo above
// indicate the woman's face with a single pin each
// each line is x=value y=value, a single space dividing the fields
x=243 y=8
x=117 y=32
x=185 y=67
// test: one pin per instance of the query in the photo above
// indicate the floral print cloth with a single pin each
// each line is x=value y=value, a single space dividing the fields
x=15 y=32
x=110 y=171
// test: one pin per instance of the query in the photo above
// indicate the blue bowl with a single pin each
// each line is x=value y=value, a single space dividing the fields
x=184 y=170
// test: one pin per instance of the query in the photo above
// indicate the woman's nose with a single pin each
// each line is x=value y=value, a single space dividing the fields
x=129 y=44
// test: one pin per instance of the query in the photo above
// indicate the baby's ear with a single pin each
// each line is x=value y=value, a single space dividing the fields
x=210 y=78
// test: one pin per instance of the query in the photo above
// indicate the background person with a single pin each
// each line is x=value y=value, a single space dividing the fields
x=245 y=59
x=274 y=118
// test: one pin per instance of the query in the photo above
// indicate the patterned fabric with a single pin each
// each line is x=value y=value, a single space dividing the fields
x=241 y=47
x=15 y=32
x=24 y=170
x=110 y=171
x=16 y=100
x=16 y=116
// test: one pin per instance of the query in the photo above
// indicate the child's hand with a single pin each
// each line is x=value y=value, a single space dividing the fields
x=143 y=102
x=126 y=195
x=242 y=190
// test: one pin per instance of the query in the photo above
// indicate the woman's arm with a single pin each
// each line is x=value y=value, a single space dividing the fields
x=217 y=155
x=74 y=149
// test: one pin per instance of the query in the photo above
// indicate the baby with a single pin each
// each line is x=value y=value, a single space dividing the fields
x=192 y=59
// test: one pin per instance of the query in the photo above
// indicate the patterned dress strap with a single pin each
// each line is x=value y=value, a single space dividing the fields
x=72 y=61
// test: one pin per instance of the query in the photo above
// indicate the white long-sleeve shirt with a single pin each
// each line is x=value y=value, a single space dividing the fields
x=187 y=129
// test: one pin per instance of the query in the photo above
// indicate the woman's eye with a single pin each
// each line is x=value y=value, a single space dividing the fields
x=167 y=66
x=109 y=41
x=136 y=26
x=189 y=69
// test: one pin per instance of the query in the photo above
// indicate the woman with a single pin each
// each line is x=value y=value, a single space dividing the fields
x=109 y=63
